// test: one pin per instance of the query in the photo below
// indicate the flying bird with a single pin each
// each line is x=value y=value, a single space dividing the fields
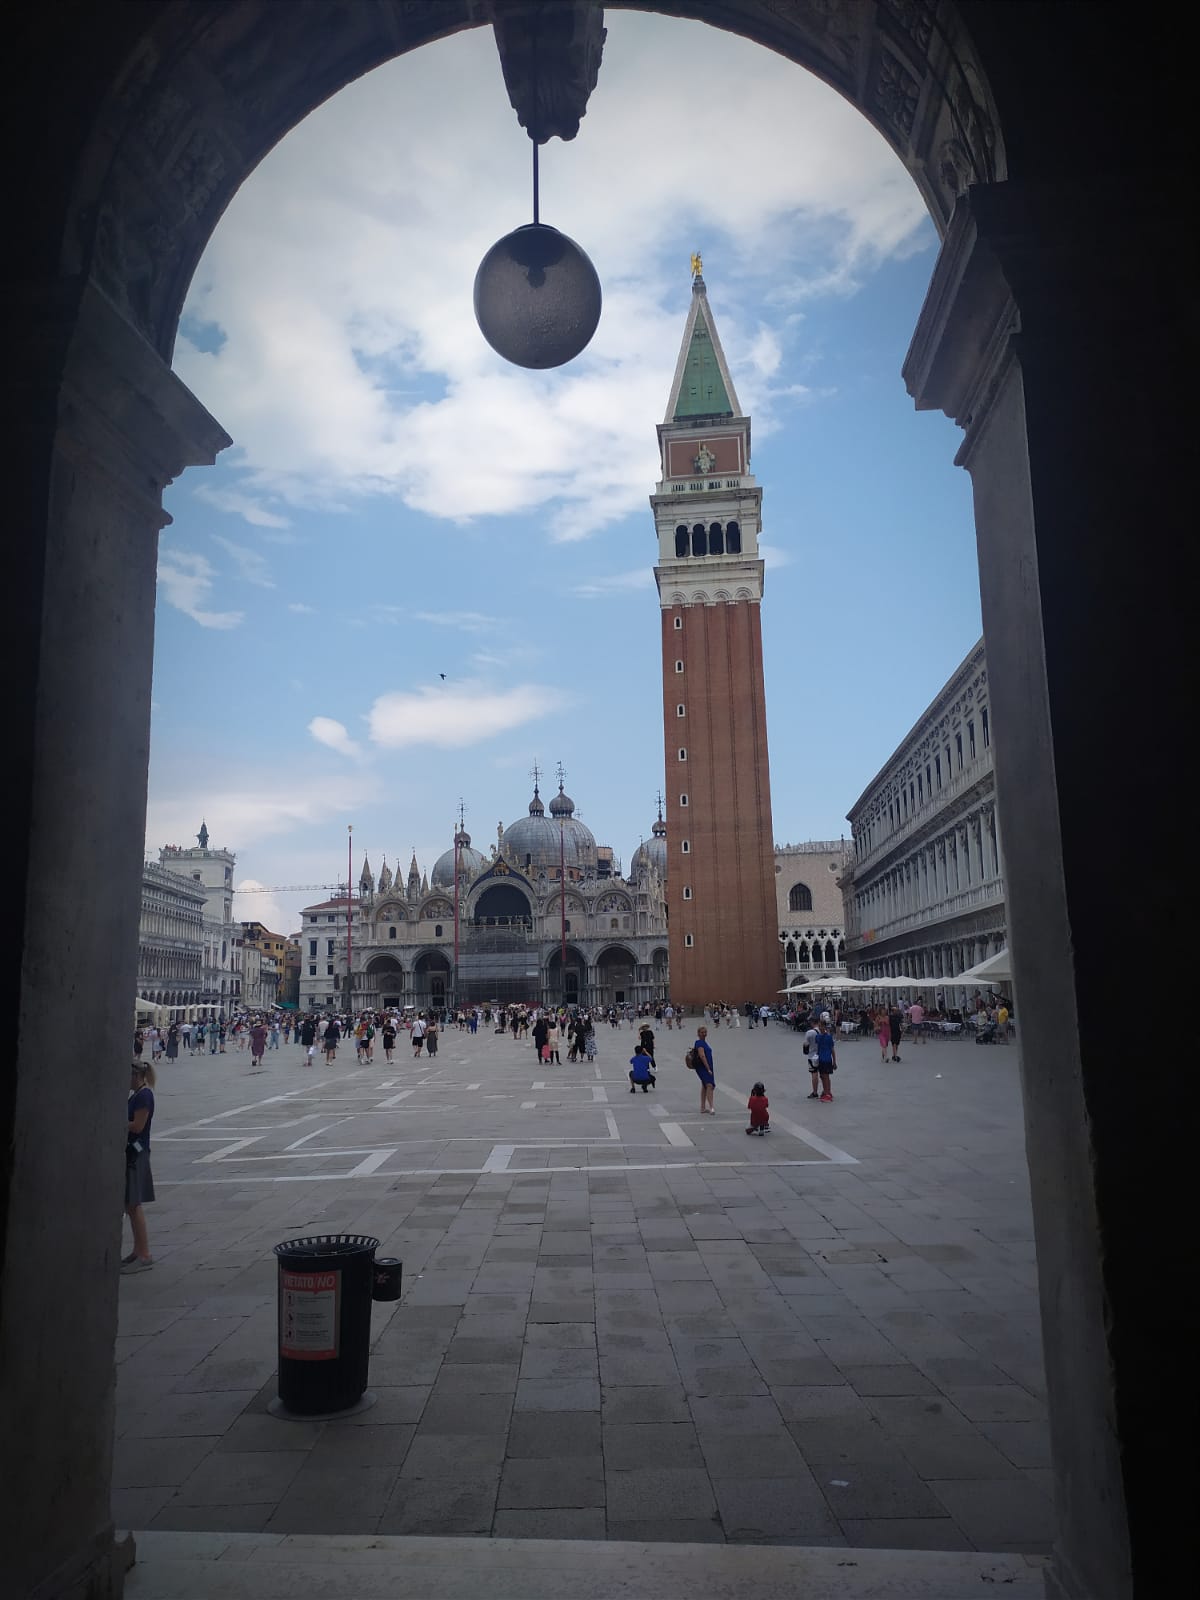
x=442 y=676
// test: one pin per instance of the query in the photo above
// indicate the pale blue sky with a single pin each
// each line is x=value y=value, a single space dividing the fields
x=399 y=503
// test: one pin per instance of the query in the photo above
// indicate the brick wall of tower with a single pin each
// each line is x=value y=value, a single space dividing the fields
x=730 y=867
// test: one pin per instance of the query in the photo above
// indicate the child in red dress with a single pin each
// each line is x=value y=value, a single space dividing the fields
x=760 y=1117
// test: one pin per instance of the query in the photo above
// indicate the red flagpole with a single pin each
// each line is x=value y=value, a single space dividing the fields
x=457 y=833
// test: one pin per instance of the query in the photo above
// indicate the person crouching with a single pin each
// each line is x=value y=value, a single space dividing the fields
x=641 y=1071
x=760 y=1117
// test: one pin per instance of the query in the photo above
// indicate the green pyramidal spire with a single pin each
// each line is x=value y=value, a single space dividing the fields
x=702 y=386
x=702 y=392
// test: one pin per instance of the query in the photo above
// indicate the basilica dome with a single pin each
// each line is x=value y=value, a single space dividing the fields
x=533 y=843
x=470 y=862
x=652 y=852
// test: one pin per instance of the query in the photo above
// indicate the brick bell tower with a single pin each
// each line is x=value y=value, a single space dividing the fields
x=724 y=937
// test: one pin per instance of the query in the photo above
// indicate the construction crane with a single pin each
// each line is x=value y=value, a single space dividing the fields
x=291 y=888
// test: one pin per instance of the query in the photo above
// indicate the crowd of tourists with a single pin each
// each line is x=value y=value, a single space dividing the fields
x=987 y=1018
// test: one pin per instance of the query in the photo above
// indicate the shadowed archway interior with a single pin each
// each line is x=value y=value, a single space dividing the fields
x=135 y=126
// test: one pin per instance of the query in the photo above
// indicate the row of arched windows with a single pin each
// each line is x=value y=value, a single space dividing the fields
x=714 y=540
x=832 y=955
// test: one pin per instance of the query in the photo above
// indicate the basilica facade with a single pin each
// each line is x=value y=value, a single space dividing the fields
x=496 y=928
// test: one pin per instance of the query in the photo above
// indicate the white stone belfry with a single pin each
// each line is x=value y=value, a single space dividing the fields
x=707 y=504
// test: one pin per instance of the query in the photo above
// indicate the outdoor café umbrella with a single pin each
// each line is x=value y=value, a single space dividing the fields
x=997 y=966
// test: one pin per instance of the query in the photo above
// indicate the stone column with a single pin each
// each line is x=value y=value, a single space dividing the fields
x=103 y=426
x=1056 y=332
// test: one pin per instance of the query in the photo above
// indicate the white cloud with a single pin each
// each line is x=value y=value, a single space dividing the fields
x=187 y=580
x=328 y=731
x=301 y=608
x=249 y=506
x=766 y=353
x=250 y=563
x=468 y=621
x=617 y=583
x=341 y=278
x=255 y=902
x=239 y=817
x=774 y=555
x=453 y=715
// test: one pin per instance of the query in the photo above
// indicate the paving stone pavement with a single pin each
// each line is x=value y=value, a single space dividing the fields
x=621 y=1319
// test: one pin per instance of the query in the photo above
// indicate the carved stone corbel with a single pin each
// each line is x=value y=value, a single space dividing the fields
x=550 y=56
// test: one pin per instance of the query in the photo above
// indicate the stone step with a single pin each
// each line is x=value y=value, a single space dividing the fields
x=264 y=1566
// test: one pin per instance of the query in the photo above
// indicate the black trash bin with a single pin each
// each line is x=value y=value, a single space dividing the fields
x=325 y=1292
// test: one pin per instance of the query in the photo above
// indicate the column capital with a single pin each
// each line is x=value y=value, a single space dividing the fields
x=123 y=413
x=1038 y=261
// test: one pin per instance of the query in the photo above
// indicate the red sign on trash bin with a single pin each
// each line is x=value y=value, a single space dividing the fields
x=308 y=1315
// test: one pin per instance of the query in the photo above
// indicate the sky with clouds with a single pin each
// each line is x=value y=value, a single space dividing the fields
x=418 y=569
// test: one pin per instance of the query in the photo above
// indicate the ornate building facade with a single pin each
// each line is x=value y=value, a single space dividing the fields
x=707 y=514
x=212 y=871
x=808 y=899
x=924 y=894
x=171 y=939
x=482 y=928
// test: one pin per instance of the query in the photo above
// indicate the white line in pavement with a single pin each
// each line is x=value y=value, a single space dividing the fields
x=395 y=1099
x=656 y=1110
x=253 y=1105
x=500 y=1157
x=304 y=1138
x=600 y=1094
x=528 y=1105
x=537 y=1085
x=372 y=1164
x=831 y=1152
x=606 y=1167
x=676 y=1136
x=228 y=1149
x=612 y=1125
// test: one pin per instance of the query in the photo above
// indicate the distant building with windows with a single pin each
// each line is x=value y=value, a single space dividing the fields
x=171 y=939
x=212 y=871
x=808 y=895
x=289 y=986
x=269 y=969
x=924 y=893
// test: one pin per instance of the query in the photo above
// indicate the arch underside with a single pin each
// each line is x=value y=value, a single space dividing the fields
x=209 y=88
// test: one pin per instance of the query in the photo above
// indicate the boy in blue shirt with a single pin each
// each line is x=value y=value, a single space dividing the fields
x=640 y=1071
x=826 y=1058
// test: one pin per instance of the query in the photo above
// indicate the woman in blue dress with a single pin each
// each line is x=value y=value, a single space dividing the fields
x=702 y=1060
x=139 y=1183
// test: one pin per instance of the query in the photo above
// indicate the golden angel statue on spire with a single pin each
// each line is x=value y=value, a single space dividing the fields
x=697 y=265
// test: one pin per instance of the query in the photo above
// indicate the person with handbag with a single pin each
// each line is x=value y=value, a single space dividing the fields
x=700 y=1059
x=139 y=1182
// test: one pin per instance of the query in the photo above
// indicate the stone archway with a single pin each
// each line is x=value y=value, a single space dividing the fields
x=566 y=983
x=661 y=972
x=502 y=905
x=382 y=985
x=1071 y=438
x=432 y=974
x=615 y=976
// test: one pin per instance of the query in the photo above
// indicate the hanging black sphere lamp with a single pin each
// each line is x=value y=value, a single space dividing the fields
x=537 y=295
